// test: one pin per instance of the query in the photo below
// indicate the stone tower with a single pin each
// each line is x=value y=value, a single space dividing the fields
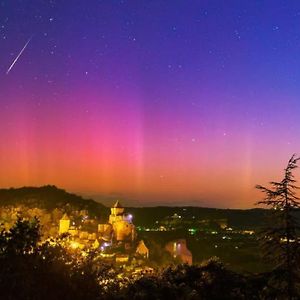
x=117 y=209
x=117 y=212
x=64 y=224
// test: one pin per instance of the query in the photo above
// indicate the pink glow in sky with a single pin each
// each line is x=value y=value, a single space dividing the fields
x=156 y=102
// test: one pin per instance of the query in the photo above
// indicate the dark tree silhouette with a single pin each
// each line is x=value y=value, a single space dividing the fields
x=208 y=281
x=279 y=240
x=34 y=270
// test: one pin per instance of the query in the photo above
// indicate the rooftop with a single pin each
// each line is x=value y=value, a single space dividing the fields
x=117 y=204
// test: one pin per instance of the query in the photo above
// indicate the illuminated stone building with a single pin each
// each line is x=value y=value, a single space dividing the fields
x=142 y=249
x=120 y=227
x=178 y=249
x=64 y=224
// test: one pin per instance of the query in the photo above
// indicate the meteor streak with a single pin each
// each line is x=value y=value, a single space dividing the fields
x=16 y=59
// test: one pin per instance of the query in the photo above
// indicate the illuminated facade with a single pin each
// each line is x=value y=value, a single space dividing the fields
x=142 y=249
x=120 y=227
x=178 y=249
x=64 y=224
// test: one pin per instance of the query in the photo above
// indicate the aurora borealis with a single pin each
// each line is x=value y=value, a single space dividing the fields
x=160 y=102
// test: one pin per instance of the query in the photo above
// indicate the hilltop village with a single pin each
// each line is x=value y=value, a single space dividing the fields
x=117 y=239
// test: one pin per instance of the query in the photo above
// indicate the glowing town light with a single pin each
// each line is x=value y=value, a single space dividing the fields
x=74 y=245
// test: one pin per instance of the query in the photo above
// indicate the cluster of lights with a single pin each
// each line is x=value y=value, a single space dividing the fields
x=104 y=245
x=192 y=231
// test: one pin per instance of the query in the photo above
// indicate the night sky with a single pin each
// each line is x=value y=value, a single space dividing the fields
x=154 y=102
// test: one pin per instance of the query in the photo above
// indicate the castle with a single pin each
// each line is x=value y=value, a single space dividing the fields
x=119 y=227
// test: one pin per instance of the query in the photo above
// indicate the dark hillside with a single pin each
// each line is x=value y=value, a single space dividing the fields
x=50 y=197
x=248 y=218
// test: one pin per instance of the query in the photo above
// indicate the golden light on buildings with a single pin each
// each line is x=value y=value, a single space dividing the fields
x=74 y=245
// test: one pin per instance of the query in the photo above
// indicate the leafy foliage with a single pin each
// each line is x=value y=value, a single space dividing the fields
x=209 y=281
x=32 y=271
